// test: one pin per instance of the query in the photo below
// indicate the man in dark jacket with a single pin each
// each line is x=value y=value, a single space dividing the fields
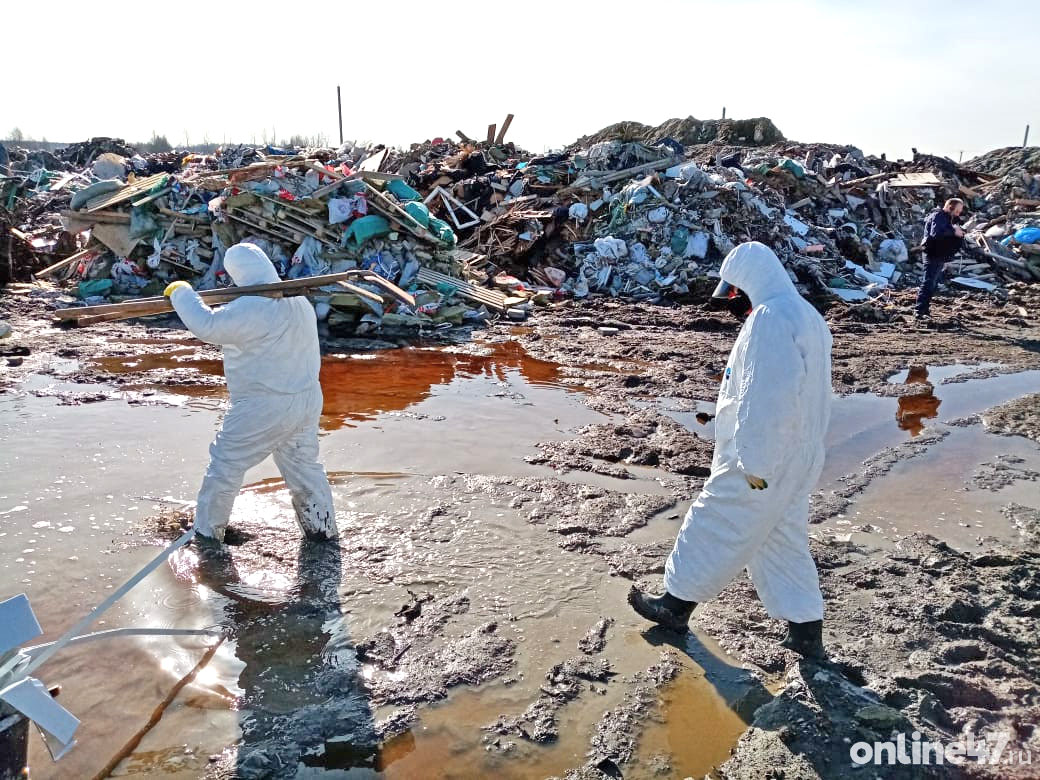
x=942 y=239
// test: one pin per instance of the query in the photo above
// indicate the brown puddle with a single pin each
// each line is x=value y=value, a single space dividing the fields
x=158 y=361
x=697 y=729
x=363 y=386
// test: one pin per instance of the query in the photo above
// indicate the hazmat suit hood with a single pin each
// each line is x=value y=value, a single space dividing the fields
x=270 y=344
x=755 y=269
x=249 y=265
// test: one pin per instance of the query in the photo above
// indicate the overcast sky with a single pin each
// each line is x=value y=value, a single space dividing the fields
x=883 y=75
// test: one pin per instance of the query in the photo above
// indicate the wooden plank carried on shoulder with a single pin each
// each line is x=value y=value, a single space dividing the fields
x=222 y=295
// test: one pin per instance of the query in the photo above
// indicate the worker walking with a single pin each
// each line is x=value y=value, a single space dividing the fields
x=942 y=239
x=271 y=363
x=771 y=417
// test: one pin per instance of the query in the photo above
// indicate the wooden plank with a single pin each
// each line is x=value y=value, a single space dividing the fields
x=60 y=183
x=390 y=287
x=505 y=128
x=915 y=180
x=490 y=298
x=83 y=254
x=178 y=215
x=589 y=180
x=115 y=237
x=150 y=198
x=291 y=286
x=129 y=191
x=114 y=217
x=380 y=176
x=491 y=134
x=877 y=177
x=374 y=162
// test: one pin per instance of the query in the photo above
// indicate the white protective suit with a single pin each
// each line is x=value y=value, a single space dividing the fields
x=271 y=363
x=771 y=417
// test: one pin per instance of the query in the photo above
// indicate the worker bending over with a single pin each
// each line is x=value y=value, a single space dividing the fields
x=271 y=363
x=771 y=417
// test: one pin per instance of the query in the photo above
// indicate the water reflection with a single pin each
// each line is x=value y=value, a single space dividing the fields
x=913 y=409
x=356 y=387
x=301 y=692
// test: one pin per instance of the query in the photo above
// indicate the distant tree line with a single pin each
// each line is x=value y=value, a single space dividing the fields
x=160 y=143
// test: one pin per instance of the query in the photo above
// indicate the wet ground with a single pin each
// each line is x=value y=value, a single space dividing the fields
x=496 y=498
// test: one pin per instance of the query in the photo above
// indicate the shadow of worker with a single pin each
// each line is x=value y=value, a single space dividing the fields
x=802 y=730
x=303 y=699
x=742 y=691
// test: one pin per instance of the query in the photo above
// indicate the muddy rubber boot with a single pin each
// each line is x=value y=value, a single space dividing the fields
x=210 y=549
x=806 y=639
x=666 y=610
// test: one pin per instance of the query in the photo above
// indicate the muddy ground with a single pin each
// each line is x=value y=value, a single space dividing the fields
x=928 y=637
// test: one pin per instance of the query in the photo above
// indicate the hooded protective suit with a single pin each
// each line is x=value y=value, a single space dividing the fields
x=771 y=417
x=271 y=363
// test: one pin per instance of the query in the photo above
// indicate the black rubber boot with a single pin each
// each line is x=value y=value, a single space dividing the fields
x=666 y=610
x=806 y=639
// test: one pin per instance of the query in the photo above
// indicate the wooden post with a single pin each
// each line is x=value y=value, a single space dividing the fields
x=723 y=112
x=505 y=128
x=339 y=106
x=1025 y=141
x=491 y=134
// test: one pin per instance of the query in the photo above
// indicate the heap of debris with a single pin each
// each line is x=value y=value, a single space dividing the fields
x=480 y=229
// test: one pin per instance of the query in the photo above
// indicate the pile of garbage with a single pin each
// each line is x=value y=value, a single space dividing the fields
x=483 y=229
x=133 y=233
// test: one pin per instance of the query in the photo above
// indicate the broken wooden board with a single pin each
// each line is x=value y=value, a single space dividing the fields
x=915 y=180
x=151 y=197
x=390 y=287
x=94 y=217
x=493 y=299
x=84 y=254
x=374 y=162
x=505 y=128
x=115 y=237
x=140 y=187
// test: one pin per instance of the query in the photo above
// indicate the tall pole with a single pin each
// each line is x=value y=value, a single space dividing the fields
x=339 y=106
x=1025 y=141
x=723 y=112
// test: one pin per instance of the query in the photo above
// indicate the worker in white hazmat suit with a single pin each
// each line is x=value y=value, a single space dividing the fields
x=271 y=363
x=770 y=420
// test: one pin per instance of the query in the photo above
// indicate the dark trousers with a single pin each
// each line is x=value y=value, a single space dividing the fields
x=933 y=271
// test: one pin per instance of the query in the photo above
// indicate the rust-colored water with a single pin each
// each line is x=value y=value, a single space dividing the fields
x=356 y=387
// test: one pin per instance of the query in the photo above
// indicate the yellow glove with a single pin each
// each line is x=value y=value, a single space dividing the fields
x=175 y=286
x=756 y=483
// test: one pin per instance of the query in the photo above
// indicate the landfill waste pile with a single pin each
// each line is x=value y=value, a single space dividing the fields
x=483 y=229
